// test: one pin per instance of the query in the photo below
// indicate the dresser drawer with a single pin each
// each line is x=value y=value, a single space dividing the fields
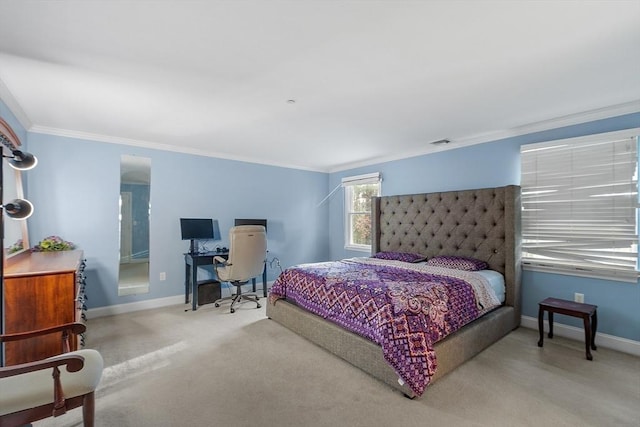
x=42 y=290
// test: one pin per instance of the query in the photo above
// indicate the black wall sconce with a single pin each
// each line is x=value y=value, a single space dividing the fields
x=17 y=208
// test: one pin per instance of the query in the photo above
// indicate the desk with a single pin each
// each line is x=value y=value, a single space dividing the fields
x=191 y=263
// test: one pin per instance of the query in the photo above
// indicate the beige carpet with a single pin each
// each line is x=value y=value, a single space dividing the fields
x=171 y=367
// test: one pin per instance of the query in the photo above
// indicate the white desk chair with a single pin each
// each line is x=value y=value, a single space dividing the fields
x=247 y=255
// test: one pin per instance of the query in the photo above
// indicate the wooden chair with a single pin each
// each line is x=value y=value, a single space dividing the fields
x=37 y=390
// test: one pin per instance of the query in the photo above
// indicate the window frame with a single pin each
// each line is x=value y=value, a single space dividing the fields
x=348 y=183
x=585 y=268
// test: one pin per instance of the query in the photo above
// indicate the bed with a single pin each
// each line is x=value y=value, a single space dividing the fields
x=482 y=224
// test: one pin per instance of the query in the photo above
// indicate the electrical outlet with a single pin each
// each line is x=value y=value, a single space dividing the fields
x=578 y=297
x=163 y=276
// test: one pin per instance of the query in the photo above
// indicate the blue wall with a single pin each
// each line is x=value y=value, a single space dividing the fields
x=75 y=190
x=76 y=185
x=495 y=164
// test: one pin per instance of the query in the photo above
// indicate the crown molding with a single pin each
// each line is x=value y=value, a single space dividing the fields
x=7 y=97
x=159 y=146
x=559 y=122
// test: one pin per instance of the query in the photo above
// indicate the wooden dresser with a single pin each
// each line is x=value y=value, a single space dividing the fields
x=42 y=289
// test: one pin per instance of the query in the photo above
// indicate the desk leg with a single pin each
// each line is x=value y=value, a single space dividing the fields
x=541 y=326
x=264 y=281
x=186 y=283
x=550 y=324
x=194 y=286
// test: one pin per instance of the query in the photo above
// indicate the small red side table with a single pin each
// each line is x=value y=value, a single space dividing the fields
x=587 y=312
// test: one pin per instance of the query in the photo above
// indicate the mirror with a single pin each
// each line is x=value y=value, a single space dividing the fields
x=135 y=208
x=16 y=237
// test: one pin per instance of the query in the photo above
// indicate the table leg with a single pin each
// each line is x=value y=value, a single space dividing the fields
x=541 y=326
x=587 y=336
x=550 y=324
x=594 y=326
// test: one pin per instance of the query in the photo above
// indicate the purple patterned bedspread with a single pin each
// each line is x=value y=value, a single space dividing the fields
x=403 y=307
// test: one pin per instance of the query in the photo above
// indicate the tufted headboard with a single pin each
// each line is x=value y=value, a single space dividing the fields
x=483 y=224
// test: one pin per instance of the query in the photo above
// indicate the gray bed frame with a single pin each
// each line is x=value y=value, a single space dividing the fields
x=482 y=223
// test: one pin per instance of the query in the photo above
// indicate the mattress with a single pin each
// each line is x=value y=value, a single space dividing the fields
x=496 y=281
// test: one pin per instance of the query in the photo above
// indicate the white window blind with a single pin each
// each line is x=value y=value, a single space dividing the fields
x=370 y=178
x=579 y=205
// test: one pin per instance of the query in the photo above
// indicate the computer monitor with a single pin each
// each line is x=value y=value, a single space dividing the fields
x=196 y=228
x=244 y=221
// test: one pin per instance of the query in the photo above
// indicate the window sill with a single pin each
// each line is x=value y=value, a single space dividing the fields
x=359 y=248
x=614 y=275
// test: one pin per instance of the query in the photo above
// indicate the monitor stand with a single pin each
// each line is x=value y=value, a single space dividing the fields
x=192 y=247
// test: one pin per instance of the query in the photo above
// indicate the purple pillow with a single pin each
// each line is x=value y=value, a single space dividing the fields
x=400 y=256
x=458 y=263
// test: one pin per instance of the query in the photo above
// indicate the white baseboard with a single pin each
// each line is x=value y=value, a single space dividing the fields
x=605 y=340
x=609 y=341
x=111 y=310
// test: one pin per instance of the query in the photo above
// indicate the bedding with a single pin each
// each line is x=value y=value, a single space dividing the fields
x=496 y=281
x=400 y=256
x=404 y=307
x=458 y=263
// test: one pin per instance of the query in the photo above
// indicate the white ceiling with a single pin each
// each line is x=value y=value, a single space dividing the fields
x=371 y=80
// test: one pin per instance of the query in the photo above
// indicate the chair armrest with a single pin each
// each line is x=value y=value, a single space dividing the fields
x=74 y=328
x=74 y=363
x=219 y=260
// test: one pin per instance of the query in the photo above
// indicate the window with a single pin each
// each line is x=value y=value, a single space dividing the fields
x=580 y=205
x=358 y=191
